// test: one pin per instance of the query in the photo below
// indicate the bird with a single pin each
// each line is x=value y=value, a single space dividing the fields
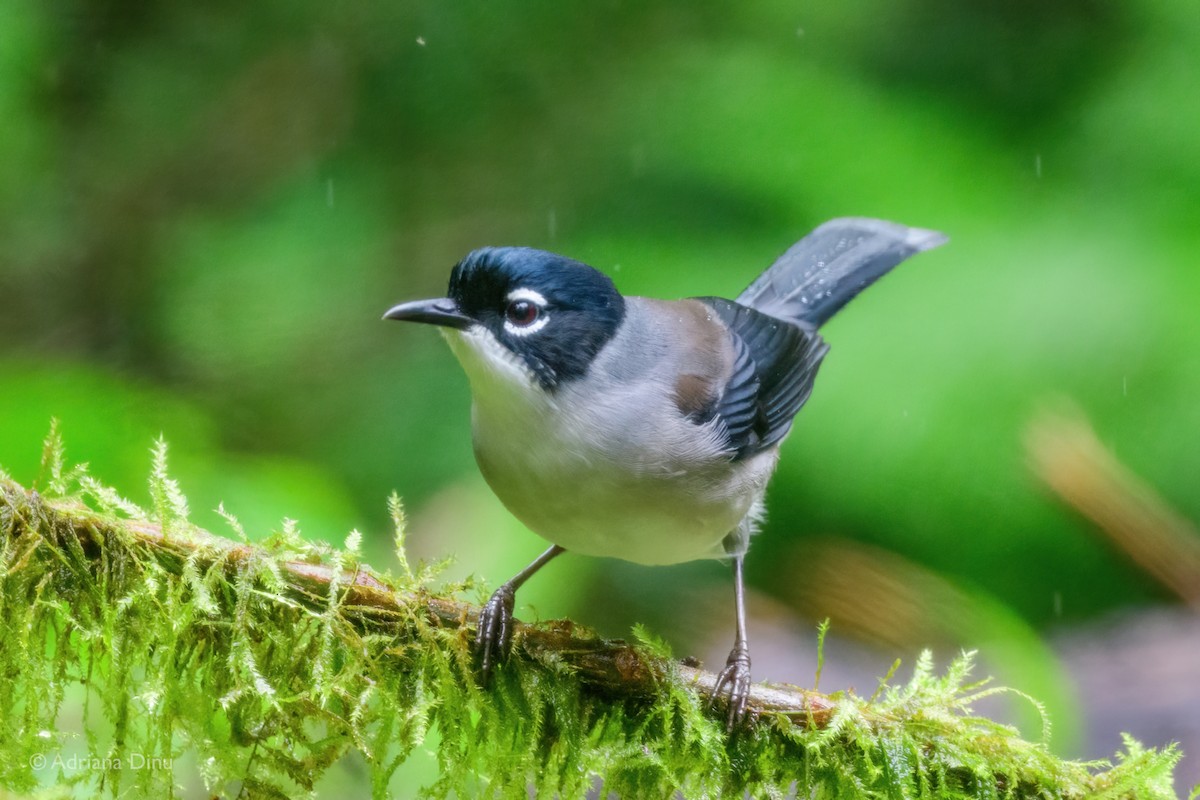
x=644 y=429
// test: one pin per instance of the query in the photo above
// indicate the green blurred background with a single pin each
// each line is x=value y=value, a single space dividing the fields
x=206 y=207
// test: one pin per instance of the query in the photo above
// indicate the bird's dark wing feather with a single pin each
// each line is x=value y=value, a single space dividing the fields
x=775 y=363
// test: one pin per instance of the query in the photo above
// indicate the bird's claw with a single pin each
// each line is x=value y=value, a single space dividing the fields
x=734 y=682
x=493 y=637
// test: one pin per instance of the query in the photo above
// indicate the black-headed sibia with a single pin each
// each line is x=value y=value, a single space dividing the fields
x=644 y=429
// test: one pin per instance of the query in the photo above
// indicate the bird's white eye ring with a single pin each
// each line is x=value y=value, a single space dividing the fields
x=525 y=312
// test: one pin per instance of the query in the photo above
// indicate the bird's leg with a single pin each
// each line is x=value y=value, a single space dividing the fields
x=734 y=680
x=494 y=634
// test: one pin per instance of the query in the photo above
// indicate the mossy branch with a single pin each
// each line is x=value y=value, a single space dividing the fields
x=268 y=663
x=610 y=667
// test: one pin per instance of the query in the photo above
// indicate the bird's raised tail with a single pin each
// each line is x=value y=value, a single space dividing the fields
x=823 y=271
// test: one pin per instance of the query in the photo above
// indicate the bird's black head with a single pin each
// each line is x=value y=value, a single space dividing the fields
x=553 y=313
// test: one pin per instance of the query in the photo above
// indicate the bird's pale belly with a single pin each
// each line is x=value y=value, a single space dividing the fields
x=593 y=507
x=644 y=519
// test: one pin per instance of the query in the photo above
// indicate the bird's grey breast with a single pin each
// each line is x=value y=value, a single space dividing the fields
x=619 y=462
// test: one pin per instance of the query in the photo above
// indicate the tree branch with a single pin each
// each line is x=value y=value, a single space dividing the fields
x=610 y=667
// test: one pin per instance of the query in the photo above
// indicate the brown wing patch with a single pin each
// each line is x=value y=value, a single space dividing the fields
x=695 y=395
x=704 y=367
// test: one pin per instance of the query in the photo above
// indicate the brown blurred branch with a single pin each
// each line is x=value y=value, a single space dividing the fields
x=1067 y=455
x=613 y=668
x=879 y=595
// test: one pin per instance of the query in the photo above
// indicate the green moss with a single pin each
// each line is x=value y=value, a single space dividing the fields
x=184 y=646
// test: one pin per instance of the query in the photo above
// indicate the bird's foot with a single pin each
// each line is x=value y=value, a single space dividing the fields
x=734 y=682
x=493 y=637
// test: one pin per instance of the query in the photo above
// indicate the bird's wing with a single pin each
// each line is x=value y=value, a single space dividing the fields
x=774 y=366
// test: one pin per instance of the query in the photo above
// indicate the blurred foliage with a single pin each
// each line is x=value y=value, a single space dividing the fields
x=205 y=208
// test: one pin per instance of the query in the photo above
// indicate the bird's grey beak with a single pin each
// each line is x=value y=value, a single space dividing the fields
x=441 y=311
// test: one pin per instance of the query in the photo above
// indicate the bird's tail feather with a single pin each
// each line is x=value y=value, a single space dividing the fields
x=825 y=270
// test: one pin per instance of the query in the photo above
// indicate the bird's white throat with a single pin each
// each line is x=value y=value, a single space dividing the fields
x=497 y=374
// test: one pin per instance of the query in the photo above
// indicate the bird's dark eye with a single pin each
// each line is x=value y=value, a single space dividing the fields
x=522 y=313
